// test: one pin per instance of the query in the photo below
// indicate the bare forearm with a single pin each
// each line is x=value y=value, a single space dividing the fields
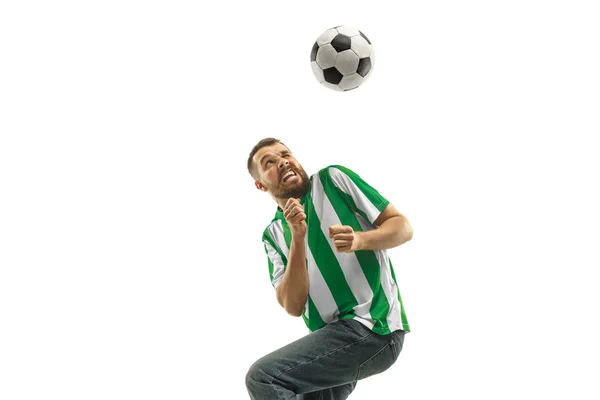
x=393 y=232
x=293 y=289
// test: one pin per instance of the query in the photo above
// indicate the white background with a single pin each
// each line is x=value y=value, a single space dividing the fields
x=130 y=252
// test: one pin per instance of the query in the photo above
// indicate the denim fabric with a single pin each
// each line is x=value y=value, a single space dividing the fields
x=325 y=364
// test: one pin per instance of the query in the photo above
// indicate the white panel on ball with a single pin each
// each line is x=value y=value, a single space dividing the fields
x=348 y=31
x=326 y=56
x=332 y=86
x=327 y=36
x=350 y=82
x=317 y=71
x=360 y=46
x=347 y=62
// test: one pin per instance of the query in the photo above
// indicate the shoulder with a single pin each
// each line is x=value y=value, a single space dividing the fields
x=337 y=173
x=335 y=169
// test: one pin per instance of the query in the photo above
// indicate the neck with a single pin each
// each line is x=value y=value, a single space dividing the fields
x=281 y=202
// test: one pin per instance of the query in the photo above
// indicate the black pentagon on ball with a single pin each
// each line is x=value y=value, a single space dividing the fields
x=366 y=38
x=364 y=66
x=332 y=75
x=341 y=42
x=313 y=53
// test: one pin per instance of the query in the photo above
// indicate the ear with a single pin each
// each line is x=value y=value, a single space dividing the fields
x=259 y=185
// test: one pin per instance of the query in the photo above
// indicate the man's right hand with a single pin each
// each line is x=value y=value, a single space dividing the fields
x=295 y=217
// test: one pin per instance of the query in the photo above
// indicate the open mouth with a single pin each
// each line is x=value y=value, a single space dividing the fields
x=288 y=175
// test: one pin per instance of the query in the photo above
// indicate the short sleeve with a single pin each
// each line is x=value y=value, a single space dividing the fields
x=276 y=249
x=276 y=264
x=363 y=198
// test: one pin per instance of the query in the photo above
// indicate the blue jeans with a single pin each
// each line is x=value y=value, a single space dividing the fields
x=325 y=364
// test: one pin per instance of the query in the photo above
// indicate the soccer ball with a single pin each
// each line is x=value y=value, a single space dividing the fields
x=342 y=58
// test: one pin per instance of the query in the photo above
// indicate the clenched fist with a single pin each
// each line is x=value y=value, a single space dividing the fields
x=344 y=238
x=293 y=212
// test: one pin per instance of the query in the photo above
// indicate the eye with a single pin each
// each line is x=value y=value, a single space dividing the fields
x=269 y=162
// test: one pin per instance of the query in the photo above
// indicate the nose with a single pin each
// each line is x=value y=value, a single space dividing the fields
x=283 y=162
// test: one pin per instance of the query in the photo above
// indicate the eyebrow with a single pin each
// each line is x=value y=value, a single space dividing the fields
x=269 y=155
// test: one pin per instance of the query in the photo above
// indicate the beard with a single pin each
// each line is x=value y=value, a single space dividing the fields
x=296 y=190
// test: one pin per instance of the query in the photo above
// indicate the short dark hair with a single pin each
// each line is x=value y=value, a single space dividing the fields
x=263 y=143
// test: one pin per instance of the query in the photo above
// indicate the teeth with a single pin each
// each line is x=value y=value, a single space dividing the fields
x=288 y=174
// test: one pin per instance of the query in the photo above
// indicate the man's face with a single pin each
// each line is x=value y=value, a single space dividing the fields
x=279 y=173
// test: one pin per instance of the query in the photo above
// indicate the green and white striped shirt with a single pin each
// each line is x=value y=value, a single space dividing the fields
x=359 y=285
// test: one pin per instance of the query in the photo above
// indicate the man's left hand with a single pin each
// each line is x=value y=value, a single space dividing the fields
x=344 y=238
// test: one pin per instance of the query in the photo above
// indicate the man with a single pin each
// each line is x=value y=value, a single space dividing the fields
x=327 y=260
